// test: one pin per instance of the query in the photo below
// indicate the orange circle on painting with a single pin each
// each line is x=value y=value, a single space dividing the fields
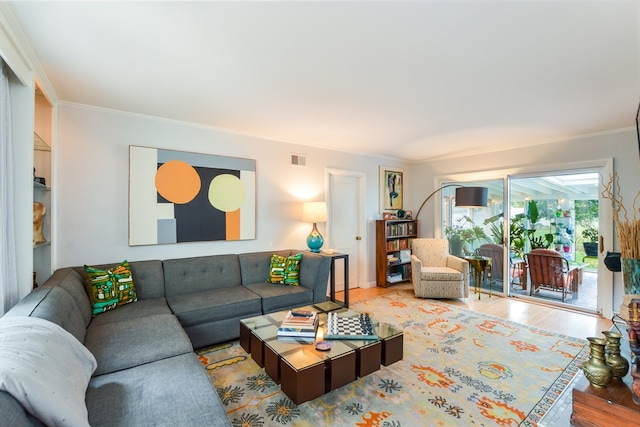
x=177 y=181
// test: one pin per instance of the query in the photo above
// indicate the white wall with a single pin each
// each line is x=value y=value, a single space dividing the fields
x=621 y=146
x=91 y=175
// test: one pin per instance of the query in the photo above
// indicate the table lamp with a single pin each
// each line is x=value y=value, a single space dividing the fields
x=314 y=212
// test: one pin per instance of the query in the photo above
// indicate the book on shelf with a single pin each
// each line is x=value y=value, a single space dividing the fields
x=394 y=277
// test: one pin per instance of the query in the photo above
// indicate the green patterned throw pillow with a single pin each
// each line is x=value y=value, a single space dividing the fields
x=285 y=270
x=110 y=289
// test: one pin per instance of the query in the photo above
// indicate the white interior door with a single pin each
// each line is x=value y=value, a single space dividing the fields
x=345 y=225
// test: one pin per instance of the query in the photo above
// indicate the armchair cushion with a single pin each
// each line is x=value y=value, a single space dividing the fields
x=440 y=273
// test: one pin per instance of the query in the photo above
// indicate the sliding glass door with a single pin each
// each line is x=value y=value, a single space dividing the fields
x=553 y=209
x=554 y=225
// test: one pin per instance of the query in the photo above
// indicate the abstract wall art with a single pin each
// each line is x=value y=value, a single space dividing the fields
x=391 y=188
x=177 y=197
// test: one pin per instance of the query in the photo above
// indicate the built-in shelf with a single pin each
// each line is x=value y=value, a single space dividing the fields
x=39 y=245
x=38 y=186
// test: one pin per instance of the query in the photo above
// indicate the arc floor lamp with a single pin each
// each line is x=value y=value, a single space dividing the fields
x=466 y=197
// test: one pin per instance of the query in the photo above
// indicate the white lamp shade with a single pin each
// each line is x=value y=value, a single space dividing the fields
x=314 y=212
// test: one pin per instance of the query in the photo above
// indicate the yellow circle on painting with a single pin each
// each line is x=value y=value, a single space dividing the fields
x=177 y=181
x=226 y=193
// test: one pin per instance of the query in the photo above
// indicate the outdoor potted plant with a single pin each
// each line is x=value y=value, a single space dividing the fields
x=590 y=242
x=462 y=233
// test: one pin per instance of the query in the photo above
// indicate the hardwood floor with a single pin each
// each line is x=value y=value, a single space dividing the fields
x=554 y=319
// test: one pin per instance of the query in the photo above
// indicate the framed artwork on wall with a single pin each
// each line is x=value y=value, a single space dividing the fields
x=178 y=197
x=391 y=188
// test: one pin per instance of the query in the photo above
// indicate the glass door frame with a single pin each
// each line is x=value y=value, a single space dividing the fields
x=604 y=167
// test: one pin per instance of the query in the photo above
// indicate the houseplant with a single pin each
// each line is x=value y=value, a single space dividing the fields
x=590 y=240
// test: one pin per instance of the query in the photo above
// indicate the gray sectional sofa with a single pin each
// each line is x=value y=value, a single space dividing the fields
x=147 y=372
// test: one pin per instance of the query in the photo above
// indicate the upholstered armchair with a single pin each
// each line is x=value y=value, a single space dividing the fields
x=435 y=273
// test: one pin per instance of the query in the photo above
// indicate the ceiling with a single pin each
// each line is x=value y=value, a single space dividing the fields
x=406 y=80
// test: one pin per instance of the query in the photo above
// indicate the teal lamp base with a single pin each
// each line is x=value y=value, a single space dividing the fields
x=315 y=240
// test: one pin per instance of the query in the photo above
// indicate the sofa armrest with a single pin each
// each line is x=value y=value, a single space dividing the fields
x=314 y=274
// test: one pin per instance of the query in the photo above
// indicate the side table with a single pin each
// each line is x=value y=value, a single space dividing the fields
x=332 y=277
x=480 y=264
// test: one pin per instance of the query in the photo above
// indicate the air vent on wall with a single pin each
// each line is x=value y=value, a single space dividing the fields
x=298 y=160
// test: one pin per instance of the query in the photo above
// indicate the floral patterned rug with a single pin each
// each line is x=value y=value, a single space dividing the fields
x=459 y=368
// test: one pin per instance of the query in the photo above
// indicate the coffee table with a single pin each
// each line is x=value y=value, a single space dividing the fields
x=305 y=373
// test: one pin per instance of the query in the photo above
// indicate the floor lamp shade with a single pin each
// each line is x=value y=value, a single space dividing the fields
x=471 y=197
x=466 y=197
x=314 y=212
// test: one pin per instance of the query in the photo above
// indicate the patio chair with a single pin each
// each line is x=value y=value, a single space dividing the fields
x=549 y=270
x=436 y=273
x=517 y=268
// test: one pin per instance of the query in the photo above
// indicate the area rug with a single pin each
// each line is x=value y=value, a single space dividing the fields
x=459 y=368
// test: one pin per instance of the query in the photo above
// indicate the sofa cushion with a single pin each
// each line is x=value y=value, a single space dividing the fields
x=46 y=369
x=277 y=297
x=169 y=392
x=285 y=270
x=135 y=342
x=213 y=305
x=109 y=289
x=142 y=308
x=192 y=275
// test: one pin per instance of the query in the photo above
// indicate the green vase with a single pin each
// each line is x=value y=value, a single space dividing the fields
x=631 y=275
x=596 y=369
x=619 y=364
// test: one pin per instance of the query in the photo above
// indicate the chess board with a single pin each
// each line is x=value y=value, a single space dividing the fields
x=350 y=328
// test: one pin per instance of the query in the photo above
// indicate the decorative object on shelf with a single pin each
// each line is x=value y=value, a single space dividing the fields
x=618 y=363
x=314 y=212
x=631 y=275
x=596 y=369
x=628 y=233
x=634 y=345
x=38 y=218
x=634 y=327
x=391 y=188
x=177 y=197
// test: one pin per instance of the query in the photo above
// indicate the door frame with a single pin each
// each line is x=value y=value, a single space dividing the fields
x=361 y=263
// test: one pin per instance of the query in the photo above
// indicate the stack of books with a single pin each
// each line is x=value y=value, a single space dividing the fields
x=299 y=323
